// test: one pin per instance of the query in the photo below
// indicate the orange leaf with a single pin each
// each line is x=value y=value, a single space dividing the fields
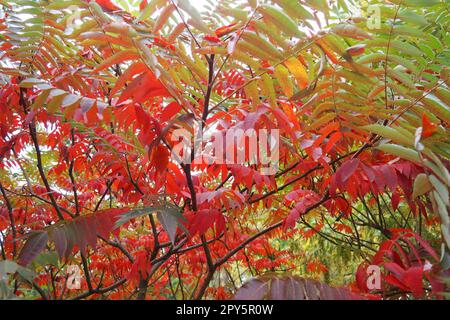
x=119 y=57
x=298 y=71
x=225 y=30
x=428 y=128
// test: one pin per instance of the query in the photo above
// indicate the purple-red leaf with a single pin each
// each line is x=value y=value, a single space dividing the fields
x=271 y=287
x=33 y=246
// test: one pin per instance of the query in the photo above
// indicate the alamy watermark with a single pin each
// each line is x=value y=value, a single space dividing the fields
x=228 y=146
x=73 y=19
x=74 y=277
x=372 y=14
x=373 y=281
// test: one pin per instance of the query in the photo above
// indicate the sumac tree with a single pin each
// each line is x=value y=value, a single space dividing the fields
x=92 y=94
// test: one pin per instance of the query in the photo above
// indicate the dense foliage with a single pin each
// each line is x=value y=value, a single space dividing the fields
x=91 y=93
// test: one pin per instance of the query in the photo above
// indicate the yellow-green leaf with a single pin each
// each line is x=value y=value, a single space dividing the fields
x=298 y=71
x=421 y=185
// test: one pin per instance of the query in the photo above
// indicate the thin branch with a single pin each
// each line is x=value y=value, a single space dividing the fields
x=33 y=134
x=11 y=219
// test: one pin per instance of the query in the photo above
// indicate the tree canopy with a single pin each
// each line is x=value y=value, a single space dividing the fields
x=94 y=205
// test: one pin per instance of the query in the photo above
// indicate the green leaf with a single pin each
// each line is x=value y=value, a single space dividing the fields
x=262 y=44
x=294 y=9
x=55 y=5
x=196 y=20
x=441 y=208
x=389 y=133
x=416 y=3
x=446 y=234
x=438 y=109
x=400 y=151
x=351 y=31
x=440 y=188
x=11 y=267
x=421 y=185
x=136 y=213
x=46 y=258
x=281 y=20
x=169 y=221
x=30 y=82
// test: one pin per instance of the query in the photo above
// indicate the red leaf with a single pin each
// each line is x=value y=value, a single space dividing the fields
x=428 y=128
x=163 y=43
x=108 y=5
x=335 y=137
x=159 y=158
x=169 y=111
x=143 y=87
x=413 y=278
x=361 y=277
x=143 y=4
x=303 y=200
x=211 y=39
x=390 y=176
x=395 y=200
x=134 y=69
x=356 y=50
x=204 y=219
x=141 y=267
x=345 y=172
x=224 y=30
